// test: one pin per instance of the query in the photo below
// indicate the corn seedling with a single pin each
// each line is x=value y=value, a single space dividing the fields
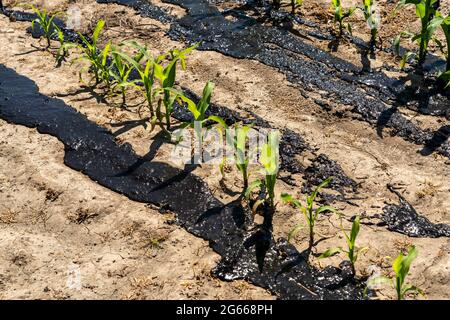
x=269 y=159
x=309 y=212
x=198 y=110
x=63 y=50
x=352 y=251
x=371 y=18
x=45 y=21
x=241 y=158
x=425 y=10
x=166 y=76
x=145 y=71
x=120 y=71
x=401 y=266
x=98 y=60
x=340 y=16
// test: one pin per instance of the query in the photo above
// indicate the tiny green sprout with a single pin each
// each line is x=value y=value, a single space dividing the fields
x=309 y=212
x=371 y=18
x=269 y=159
x=45 y=21
x=340 y=16
x=98 y=59
x=401 y=266
x=352 y=251
x=430 y=21
x=239 y=142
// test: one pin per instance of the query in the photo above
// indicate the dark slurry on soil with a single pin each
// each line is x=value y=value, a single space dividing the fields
x=92 y=150
x=403 y=218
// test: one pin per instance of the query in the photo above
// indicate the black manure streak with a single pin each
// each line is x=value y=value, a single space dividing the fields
x=404 y=218
x=37 y=32
x=250 y=254
x=240 y=36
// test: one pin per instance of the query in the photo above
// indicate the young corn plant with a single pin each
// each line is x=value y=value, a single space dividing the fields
x=120 y=71
x=45 y=21
x=371 y=18
x=309 y=211
x=241 y=158
x=198 y=110
x=269 y=159
x=426 y=11
x=401 y=266
x=340 y=15
x=63 y=50
x=166 y=76
x=98 y=60
x=352 y=251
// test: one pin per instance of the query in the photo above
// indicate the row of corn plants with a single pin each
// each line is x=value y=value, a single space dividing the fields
x=265 y=187
x=426 y=10
x=112 y=66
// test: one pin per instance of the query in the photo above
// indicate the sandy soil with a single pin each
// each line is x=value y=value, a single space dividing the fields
x=52 y=218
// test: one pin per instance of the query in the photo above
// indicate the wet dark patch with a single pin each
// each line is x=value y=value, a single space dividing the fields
x=320 y=169
x=291 y=146
x=92 y=150
x=308 y=66
x=37 y=31
x=404 y=218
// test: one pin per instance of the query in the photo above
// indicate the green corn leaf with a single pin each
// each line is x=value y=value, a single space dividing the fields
x=219 y=120
x=255 y=184
x=206 y=98
x=97 y=30
x=191 y=106
x=331 y=252
x=294 y=231
x=355 y=229
x=414 y=289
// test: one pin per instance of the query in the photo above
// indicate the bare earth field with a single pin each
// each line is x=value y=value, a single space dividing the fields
x=55 y=221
